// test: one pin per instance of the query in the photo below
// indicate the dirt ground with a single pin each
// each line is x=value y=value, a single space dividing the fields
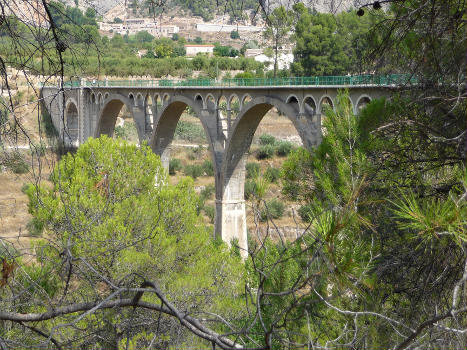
x=14 y=215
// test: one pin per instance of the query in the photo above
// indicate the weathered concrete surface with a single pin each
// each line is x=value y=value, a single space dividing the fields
x=80 y=113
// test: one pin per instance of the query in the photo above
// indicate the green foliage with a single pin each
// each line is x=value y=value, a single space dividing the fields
x=92 y=55
x=225 y=51
x=272 y=174
x=163 y=50
x=297 y=175
x=210 y=212
x=273 y=209
x=283 y=148
x=432 y=218
x=39 y=149
x=373 y=185
x=338 y=164
x=234 y=35
x=207 y=192
x=328 y=44
x=63 y=15
x=127 y=132
x=196 y=152
x=40 y=275
x=279 y=25
x=306 y=213
x=189 y=131
x=265 y=152
x=145 y=228
x=143 y=37
x=267 y=139
x=251 y=44
x=14 y=161
x=174 y=166
x=35 y=227
x=261 y=187
x=252 y=170
x=249 y=189
x=193 y=170
x=208 y=168
x=150 y=54
x=281 y=277
x=329 y=184
x=25 y=187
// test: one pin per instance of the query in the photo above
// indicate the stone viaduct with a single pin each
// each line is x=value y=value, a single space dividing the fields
x=87 y=110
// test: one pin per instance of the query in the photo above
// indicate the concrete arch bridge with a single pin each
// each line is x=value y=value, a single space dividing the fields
x=83 y=109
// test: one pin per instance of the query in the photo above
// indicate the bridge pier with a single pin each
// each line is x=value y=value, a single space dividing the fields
x=231 y=225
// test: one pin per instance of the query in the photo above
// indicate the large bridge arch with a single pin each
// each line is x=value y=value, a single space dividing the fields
x=230 y=205
x=107 y=116
x=166 y=123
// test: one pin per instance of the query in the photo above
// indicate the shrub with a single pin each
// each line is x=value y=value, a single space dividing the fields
x=189 y=131
x=283 y=148
x=35 y=227
x=15 y=162
x=25 y=187
x=267 y=139
x=249 y=189
x=38 y=149
x=207 y=192
x=208 y=168
x=261 y=187
x=265 y=152
x=193 y=170
x=198 y=151
x=272 y=174
x=274 y=209
x=127 y=132
x=210 y=212
x=174 y=166
x=234 y=35
x=252 y=170
x=305 y=213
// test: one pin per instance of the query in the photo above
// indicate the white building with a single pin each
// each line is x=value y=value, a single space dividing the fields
x=193 y=50
x=135 y=25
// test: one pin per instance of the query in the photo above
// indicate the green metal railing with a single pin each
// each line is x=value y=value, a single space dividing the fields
x=350 y=80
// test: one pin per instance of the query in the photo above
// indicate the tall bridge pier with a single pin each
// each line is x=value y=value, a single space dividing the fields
x=84 y=110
